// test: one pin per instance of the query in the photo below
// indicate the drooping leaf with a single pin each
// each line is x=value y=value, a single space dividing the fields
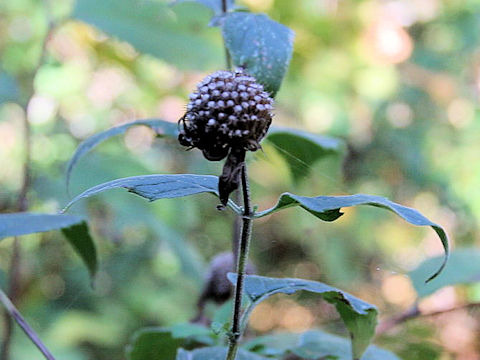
x=359 y=317
x=463 y=268
x=327 y=208
x=301 y=149
x=215 y=353
x=155 y=187
x=178 y=35
x=74 y=229
x=153 y=344
x=314 y=344
x=8 y=88
x=260 y=45
x=215 y=5
x=161 y=128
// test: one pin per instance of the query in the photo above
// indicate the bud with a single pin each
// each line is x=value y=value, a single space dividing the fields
x=227 y=115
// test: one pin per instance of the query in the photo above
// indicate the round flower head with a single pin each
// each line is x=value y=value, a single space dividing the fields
x=227 y=115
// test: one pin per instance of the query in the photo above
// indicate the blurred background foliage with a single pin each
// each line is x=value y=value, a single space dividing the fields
x=397 y=80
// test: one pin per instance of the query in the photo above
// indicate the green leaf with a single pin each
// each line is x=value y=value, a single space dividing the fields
x=153 y=344
x=302 y=149
x=327 y=208
x=215 y=353
x=155 y=187
x=178 y=35
x=161 y=127
x=74 y=229
x=359 y=317
x=215 y=5
x=8 y=88
x=463 y=268
x=314 y=344
x=260 y=45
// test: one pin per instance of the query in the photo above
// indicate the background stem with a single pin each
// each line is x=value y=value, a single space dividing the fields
x=228 y=58
x=14 y=277
x=241 y=265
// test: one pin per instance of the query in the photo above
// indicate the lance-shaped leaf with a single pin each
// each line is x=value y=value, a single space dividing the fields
x=74 y=229
x=327 y=208
x=463 y=268
x=178 y=35
x=260 y=45
x=215 y=353
x=161 y=128
x=301 y=149
x=313 y=344
x=155 y=187
x=359 y=317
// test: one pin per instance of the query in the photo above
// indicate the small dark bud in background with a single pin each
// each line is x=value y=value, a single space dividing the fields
x=217 y=288
x=227 y=115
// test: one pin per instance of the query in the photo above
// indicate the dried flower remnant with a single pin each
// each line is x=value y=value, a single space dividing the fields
x=227 y=115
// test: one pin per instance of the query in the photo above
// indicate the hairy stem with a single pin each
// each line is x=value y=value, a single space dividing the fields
x=241 y=265
x=228 y=58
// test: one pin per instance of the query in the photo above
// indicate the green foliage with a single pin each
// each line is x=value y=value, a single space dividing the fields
x=301 y=149
x=175 y=34
x=215 y=353
x=314 y=344
x=8 y=88
x=215 y=5
x=260 y=45
x=359 y=317
x=74 y=228
x=463 y=267
x=327 y=208
x=161 y=128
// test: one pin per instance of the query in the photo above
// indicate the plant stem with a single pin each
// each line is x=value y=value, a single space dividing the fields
x=228 y=58
x=15 y=280
x=15 y=314
x=241 y=265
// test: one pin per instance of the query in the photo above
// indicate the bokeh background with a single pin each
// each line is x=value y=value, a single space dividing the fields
x=397 y=80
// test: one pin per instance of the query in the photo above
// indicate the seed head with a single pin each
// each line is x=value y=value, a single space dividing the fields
x=227 y=115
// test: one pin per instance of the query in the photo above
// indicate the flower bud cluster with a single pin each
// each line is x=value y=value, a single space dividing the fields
x=229 y=110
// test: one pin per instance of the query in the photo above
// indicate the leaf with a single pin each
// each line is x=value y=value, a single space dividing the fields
x=8 y=88
x=463 y=268
x=155 y=187
x=215 y=5
x=153 y=344
x=74 y=229
x=327 y=208
x=302 y=149
x=178 y=35
x=161 y=128
x=314 y=344
x=215 y=353
x=260 y=45
x=359 y=317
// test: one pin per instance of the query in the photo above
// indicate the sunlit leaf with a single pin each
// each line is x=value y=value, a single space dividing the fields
x=260 y=45
x=155 y=187
x=74 y=228
x=215 y=353
x=161 y=128
x=176 y=34
x=463 y=268
x=327 y=208
x=314 y=344
x=359 y=317
x=301 y=149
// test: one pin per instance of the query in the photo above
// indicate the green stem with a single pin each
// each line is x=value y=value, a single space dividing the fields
x=228 y=58
x=241 y=266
